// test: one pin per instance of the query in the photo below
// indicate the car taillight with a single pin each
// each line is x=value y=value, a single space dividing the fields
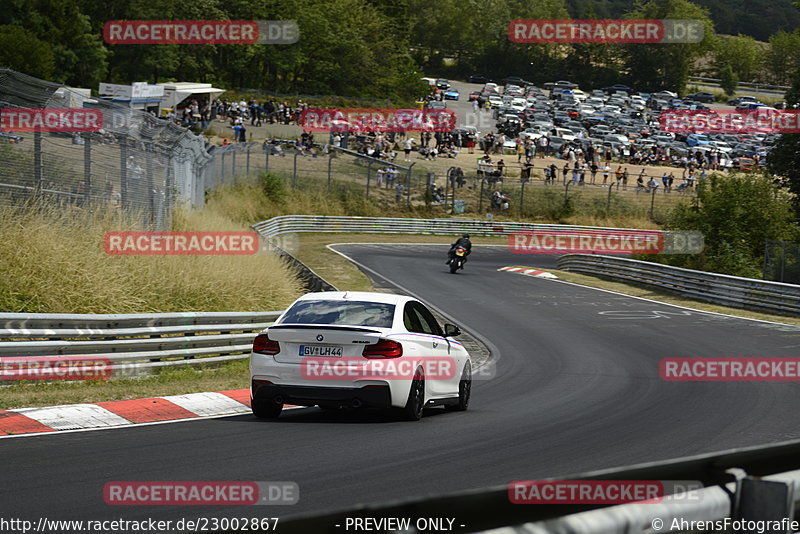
x=385 y=348
x=264 y=345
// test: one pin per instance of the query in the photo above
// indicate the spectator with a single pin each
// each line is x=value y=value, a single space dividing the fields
x=398 y=192
x=407 y=146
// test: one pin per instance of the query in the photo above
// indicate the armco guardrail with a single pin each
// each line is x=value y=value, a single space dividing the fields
x=716 y=288
x=286 y=224
x=747 y=85
x=750 y=484
x=139 y=340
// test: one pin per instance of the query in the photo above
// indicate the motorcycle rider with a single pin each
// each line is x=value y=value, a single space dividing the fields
x=462 y=242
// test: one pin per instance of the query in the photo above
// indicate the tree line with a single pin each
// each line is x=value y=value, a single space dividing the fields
x=378 y=48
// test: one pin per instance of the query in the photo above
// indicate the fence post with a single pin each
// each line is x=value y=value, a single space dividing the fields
x=521 y=197
x=294 y=170
x=233 y=162
x=369 y=171
x=123 y=172
x=247 y=165
x=408 y=186
x=608 y=202
x=168 y=193
x=222 y=168
x=480 y=197
x=38 y=163
x=87 y=170
x=267 y=150
x=151 y=198
x=652 y=203
x=330 y=163
x=783 y=262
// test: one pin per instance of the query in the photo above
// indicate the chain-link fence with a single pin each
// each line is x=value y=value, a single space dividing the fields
x=554 y=198
x=322 y=167
x=782 y=262
x=135 y=162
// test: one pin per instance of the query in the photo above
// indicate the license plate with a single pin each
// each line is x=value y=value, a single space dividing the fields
x=321 y=350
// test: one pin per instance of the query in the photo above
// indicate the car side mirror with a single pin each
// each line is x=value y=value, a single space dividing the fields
x=451 y=330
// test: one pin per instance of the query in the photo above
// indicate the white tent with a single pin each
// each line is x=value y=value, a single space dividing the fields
x=176 y=92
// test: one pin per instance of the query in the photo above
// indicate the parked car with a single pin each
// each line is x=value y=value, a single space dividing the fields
x=477 y=78
x=739 y=99
x=442 y=83
x=701 y=96
x=618 y=87
x=514 y=80
x=697 y=139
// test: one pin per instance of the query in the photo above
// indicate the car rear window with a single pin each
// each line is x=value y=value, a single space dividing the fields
x=351 y=313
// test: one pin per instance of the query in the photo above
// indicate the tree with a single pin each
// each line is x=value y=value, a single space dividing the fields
x=728 y=80
x=736 y=214
x=654 y=67
x=783 y=161
x=21 y=50
x=78 y=51
x=741 y=53
x=782 y=56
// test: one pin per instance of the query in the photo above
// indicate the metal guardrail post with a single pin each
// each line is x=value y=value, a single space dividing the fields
x=765 y=500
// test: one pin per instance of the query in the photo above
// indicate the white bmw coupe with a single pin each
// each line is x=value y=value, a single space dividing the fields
x=359 y=349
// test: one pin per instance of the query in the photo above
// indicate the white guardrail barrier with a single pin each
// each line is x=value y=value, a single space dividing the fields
x=287 y=224
x=710 y=287
x=133 y=343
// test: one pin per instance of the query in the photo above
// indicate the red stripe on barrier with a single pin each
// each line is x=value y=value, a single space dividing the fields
x=16 y=423
x=147 y=410
x=240 y=395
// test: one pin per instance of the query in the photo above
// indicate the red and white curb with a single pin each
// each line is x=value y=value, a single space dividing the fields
x=124 y=412
x=529 y=272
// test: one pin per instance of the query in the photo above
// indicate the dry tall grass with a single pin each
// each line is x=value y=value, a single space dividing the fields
x=54 y=262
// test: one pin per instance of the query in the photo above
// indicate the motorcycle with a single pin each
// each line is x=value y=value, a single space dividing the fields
x=457 y=259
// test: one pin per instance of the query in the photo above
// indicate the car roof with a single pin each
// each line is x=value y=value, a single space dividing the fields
x=369 y=296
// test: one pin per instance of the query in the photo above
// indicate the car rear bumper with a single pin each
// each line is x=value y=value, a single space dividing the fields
x=376 y=396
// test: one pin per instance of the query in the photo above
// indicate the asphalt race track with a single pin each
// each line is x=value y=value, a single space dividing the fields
x=576 y=389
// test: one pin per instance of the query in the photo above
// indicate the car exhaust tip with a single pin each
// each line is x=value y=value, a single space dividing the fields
x=357 y=403
x=278 y=399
